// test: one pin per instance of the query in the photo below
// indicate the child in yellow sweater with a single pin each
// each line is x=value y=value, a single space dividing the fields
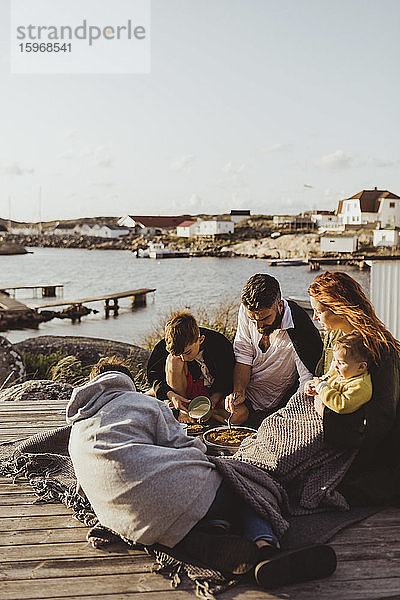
x=347 y=385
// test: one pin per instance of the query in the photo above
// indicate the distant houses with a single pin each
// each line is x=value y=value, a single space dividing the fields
x=152 y=225
x=338 y=243
x=239 y=215
x=89 y=229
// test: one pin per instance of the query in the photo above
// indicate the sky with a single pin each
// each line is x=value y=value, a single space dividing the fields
x=276 y=107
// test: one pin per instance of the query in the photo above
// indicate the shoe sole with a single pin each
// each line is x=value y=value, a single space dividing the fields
x=296 y=566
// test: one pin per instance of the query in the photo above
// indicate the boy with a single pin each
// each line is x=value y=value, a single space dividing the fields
x=189 y=362
x=348 y=384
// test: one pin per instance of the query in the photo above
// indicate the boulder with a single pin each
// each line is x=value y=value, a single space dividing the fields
x=87 y=350
x=38 y=389
x=12 y=366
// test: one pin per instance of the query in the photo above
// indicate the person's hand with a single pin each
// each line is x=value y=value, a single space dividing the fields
x=233 y=400
x=319 y=406
x=183 y=417
x=180 y=402
x=309 y=388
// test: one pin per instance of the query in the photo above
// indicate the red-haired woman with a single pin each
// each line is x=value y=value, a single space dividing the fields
x=341 y=306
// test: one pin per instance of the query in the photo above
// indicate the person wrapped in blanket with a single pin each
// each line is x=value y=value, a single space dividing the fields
x=151 y=484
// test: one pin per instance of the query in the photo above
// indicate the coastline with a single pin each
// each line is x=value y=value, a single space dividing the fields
x=299 y=245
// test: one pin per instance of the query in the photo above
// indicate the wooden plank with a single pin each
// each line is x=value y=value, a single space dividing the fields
x=171 y=594
x=366 y=534
x=34 y=510
x=43 y=536
x=80 y=586
x=64 y=550
x=39 y=522
x=63 y=567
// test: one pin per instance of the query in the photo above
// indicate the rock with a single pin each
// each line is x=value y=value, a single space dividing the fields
x=12 y=366
x=87 y=350
x=37 y=390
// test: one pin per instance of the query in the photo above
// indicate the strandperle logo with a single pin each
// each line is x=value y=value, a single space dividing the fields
x=84 y=31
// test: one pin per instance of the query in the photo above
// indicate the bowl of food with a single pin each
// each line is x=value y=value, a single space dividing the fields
x=225 y=440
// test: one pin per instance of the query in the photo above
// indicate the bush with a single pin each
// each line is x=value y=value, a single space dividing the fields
x=38 y=366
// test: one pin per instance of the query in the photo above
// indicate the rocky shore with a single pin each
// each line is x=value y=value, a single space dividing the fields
x=250 y=243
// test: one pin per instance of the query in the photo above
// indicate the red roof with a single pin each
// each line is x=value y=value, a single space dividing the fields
x=160 y=222
x=369 y=199
x=186 y=223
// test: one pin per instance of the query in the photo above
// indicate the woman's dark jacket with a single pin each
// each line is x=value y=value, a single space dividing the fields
x=218 y=356
x=374 y=429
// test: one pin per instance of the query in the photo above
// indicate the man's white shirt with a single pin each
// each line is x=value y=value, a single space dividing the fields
x=272 y=372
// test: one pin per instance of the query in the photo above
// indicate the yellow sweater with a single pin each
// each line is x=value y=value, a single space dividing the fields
x=345 y=396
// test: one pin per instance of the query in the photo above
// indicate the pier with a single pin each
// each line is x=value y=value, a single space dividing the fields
x=44 y=553
x=47 y=291
x=138 y=298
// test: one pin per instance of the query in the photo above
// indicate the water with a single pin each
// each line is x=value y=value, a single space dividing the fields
x=179 y=283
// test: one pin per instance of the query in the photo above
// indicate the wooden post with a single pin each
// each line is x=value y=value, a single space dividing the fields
x=107 y=308
x=115 y=307
x=138 y=300
x=49 y=291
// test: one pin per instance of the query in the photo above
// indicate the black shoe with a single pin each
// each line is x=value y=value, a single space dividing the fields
x=295 y=566
x=230 y=553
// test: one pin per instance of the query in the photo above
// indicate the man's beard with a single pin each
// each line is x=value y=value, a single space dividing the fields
x=268 y=329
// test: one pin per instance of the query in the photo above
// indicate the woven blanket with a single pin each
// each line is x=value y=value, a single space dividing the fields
x=44 y=460
x=290 y=446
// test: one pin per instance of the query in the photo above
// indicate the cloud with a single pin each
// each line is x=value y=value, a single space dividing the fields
x=66 y=156
x=311 y=187
x=15 y=169
x=276 y=148
x=382 y=163
x=334 y=162
x=229 y=168
x=182 y=162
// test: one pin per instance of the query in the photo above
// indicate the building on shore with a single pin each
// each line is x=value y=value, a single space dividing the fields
x=152 y=225
x=205 y=228
x=293 y=222
x=389 y=237
x=338 y=243
x=379 y=208
x=239 y=215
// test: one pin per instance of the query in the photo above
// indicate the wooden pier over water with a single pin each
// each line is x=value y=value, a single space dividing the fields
x=44 y=555
x=138 y=298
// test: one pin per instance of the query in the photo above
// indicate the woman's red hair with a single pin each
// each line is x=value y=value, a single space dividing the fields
x=341 y=294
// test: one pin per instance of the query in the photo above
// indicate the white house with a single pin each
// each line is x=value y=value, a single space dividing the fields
x=64 y=229
x=187 y=229
x=239 y=215
x=325 y=220
x=387 y=237
x=370 y=206
x=338 y=243
x=214 y=227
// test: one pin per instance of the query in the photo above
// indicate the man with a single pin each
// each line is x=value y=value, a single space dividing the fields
x=277 y=348
x=191 y=361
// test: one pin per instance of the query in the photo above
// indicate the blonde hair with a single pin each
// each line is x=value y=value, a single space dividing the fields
x=109 y=363
x=354 y=346
x=343 y=296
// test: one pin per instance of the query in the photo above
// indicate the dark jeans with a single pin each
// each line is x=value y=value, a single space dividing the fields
x=229 y=509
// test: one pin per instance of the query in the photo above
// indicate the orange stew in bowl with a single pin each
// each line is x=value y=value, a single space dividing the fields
x=228 y=437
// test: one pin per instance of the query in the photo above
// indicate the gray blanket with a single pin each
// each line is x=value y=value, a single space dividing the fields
x=290 y=446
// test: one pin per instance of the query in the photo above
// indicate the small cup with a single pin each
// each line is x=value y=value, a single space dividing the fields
x=200 y=408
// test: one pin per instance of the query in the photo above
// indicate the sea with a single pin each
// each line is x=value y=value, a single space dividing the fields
x=191 y=283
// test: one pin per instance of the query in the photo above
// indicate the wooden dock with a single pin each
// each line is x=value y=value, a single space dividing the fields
x=44 y=555
x=47 y=291
x=138 y=298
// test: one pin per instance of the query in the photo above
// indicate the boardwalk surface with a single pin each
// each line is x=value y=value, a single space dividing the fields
x=44 y=555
